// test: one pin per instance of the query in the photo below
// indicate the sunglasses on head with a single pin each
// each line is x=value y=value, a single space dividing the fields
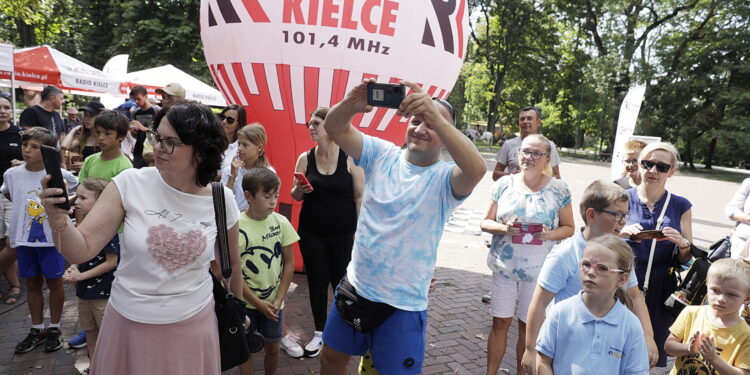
x=230 y=120
x=661 y=167
x=447 y=106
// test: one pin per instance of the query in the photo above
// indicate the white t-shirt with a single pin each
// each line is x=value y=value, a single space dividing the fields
x=239 y=193
x=165 y=249
x=24 y=188
x=229 y=154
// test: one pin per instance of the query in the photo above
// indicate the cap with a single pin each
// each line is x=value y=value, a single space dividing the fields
x=92 y=107
x=174 y=89
x=72 y=111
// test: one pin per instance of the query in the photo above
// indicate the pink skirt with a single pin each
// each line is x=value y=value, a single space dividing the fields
x=188 y=347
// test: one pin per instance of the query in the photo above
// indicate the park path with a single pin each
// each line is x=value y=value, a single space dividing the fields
x=458 y=321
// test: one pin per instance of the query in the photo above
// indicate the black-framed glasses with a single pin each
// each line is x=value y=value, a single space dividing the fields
x=619 y=216
x=447 y=106
x=229 y=119
x=661 y=167
x=598 y=267
x=534 y=154
x=632 y=162
x=166 y=144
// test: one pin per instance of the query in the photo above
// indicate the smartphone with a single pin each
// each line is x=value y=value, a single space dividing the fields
x=647 y=235
x=51 y=158
x=301 y=177
x=387 y=95
x=526 y=237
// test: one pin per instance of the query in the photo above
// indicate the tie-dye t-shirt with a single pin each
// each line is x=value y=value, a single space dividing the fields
x=524 y=261
x=404 y=210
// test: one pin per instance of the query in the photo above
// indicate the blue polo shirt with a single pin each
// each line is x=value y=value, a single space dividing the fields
x=580 y=343
x=559 y=272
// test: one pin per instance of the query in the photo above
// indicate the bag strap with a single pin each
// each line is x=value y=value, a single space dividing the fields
x=221 y=229
x=653 y=242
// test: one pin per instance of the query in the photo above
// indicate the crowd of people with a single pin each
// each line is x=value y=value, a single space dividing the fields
x=140 y=242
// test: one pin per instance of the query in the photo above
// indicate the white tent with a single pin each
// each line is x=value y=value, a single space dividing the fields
x=159 y=77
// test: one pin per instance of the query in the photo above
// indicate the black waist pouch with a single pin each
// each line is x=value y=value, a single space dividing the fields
x=359 y=312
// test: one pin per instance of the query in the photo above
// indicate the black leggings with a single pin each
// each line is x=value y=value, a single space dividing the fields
x=326 y=258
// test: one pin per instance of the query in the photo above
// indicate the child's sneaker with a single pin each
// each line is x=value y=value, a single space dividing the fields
x=291 y=347
x=78 y=341
x=31 y=341
x=312 y=349
x=54 y=339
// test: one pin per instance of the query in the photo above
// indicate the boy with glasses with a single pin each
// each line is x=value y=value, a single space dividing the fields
x=604 y=208
x=630 y=176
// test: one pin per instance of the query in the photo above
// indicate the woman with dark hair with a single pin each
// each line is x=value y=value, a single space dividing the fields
x=160 y=317
x=233 y=117
x=328 y=218
x=10 y=153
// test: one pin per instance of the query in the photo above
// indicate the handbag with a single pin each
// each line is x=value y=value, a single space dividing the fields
x=230 y=311
x=720 y=249
x=359 y=312
x=691 y=290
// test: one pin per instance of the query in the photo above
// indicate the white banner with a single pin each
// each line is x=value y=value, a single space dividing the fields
x=631 y=105
x=6 y=57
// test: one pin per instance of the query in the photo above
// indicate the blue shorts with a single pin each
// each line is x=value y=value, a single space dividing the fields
x=33 y=261
x=397 y=345
x=270 y=330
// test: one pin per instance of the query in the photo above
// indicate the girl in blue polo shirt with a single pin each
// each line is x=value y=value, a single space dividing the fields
x=594 y=332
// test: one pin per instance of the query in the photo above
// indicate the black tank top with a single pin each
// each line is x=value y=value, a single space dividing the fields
x=330 y=208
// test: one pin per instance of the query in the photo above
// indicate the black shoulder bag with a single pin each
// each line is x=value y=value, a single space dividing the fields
x=230 y=311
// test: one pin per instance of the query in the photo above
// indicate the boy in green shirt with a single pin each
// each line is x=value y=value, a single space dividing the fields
x=266 y=239
x=111 y=128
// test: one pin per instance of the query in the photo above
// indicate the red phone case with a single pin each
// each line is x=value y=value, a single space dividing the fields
x=527 y=229
x=302 y=178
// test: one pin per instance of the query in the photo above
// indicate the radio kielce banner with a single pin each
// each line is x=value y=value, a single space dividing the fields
x=629 y=109
x=281 y=59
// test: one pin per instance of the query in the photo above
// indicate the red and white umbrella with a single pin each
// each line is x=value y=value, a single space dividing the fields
x=48 y=66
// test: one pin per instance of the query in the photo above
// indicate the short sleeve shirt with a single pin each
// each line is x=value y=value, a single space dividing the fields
x=404 y=210
x=98 y=287
x=560 y=272
x=29 y=225
x=239 y=193
x=94 y=166
x=168 y=240
x=523 y=262
x=508 y=154
x=580 y=343
x=732 y=343
x=260 y=251
x=10 y=148
x=38 y=116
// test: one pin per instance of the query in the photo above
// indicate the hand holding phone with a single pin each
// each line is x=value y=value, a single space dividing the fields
x=526 y=237
x=303 y=181
x=51 y=158
x=387 y=95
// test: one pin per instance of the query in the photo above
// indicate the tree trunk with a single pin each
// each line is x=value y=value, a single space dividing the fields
x=687 y=156
x=494 y=103
x=26 y=33
x=710 y=157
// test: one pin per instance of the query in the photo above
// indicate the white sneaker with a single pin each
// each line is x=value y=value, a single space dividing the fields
x=312 y=349
x=291 y=347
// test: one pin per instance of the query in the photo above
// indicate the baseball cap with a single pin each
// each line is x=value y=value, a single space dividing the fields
x=174 y=89
x=92 y=107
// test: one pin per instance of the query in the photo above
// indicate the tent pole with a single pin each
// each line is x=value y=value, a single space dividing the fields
x=13 y=95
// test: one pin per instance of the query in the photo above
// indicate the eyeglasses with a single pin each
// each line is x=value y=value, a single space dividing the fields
x=619 y=216
x=661 y=167
x=447 y=106
x=533 y=154
x=630 y=162
x=166 y=144
x=230 y=120
x=598 y=267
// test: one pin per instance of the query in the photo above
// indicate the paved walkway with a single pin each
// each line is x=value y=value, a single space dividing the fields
x=458 y=320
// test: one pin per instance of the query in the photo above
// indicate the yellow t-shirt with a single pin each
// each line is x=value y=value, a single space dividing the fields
x=260 y=253
x=733 y=343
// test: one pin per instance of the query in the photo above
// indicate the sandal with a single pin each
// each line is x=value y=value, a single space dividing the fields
x=12 y=298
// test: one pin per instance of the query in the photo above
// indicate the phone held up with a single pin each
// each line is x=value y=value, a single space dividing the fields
x=526 y=236
x=387 y=95
x=301 y=177
x=51 y=158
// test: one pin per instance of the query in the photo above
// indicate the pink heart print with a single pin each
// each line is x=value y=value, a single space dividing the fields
x=174 y=251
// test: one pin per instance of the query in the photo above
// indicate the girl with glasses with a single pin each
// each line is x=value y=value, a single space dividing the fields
x=630 y=174
x=595 y=330
x=656 y=164
x=527 y=197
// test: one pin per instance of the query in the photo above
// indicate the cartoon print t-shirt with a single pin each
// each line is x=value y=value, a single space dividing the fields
x=732 y=343
x=166 y=245
x=29 y=226
x=260 y=253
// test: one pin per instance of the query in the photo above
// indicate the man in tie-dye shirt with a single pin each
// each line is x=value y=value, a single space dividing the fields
x=409 y=195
